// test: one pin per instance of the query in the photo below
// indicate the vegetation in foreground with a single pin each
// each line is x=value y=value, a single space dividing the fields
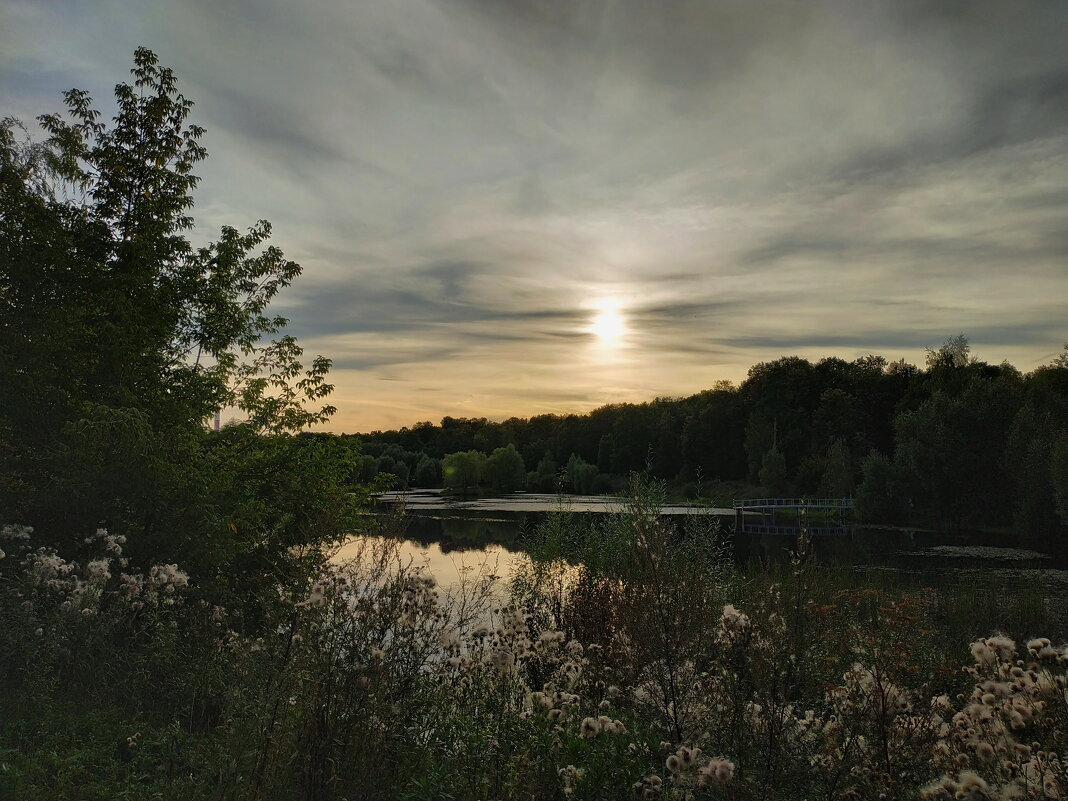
x=171 y=625
x=657 y=670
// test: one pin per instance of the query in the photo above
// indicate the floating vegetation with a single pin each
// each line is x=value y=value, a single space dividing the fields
x=978 y=552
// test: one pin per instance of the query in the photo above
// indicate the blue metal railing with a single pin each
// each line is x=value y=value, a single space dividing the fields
x=794 y=503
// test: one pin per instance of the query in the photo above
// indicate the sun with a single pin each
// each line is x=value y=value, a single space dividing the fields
x=607 y=326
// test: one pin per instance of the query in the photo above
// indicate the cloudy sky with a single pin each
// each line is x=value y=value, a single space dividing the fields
x=511 y=207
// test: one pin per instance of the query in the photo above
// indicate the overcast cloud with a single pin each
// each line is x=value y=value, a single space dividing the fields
x=467 y=181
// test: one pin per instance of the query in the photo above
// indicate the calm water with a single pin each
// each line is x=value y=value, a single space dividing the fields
x=457 y=537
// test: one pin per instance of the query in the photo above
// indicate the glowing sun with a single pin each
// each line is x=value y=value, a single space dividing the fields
x=607 y=325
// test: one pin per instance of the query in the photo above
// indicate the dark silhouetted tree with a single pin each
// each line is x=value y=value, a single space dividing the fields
x=773 y=472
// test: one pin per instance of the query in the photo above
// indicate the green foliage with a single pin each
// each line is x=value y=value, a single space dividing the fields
x=954 y=352
x=1059 y=475
x=579 y=475
x=723 y=434
x=121 y=338
x=759 y=439
x=1029 y=459
x=94 y=248
x=544 y=478
x=950 y=452
x=878 y=498
x=463 y=470
x=773 y=475
x=504 y=470
x=838 y=471
x=428 y=473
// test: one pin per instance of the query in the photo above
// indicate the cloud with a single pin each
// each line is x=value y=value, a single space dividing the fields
x=466 y=182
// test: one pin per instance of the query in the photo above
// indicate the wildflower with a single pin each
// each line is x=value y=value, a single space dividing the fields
x=717 y=771
x=687 y=755
x=98 y=571
x=673 y=763
x=15 y=532
x=130 y=586
x=982 y=653
x=733 y=623
x=590 y=727
x=985 y=751
x=316 y=597
x=571 y=776
x=1002 y=646
x=502 y=658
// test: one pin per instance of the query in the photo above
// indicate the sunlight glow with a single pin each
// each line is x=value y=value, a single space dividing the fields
x=607 y=326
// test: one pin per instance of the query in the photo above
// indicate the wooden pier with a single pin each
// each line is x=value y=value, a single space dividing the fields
x=817 y=516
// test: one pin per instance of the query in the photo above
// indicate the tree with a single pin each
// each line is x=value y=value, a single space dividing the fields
x=954 y=352
x=579 y=475
x=1059 y=471
x=428 y=472
x=543 y=478
x=605 y=448
x=463 y=470
x=174 y=329
x=760 y=437
x=1028 y=457
x=773 y=471
x=504 y=469
x=120 y=338
x=837 y=417
x=950 y=452
x=838 y=470
x=713 y=437
x=877 y=496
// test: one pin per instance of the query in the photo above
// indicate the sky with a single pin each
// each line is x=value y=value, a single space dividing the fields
x=514 y=207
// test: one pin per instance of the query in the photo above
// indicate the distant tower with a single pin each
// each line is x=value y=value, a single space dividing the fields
x=218 y=419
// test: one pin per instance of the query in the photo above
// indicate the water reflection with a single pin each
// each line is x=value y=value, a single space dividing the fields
x=457 y=538
x=450 y=566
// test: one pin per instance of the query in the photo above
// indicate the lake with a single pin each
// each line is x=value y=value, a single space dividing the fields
x=461 y=536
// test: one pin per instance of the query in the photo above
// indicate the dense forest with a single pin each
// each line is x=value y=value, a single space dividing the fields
x=957 y=443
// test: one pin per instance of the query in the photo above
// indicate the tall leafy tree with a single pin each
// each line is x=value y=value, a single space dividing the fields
x=119 y=337
x=504 y=469
x=463 y=470
x=773 y=475
x=95 y=221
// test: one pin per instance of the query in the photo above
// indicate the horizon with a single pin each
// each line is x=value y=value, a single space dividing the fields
x=732 y=385
x=505 y=210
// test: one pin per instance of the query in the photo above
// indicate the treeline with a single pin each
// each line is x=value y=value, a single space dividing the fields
x=956 y=443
